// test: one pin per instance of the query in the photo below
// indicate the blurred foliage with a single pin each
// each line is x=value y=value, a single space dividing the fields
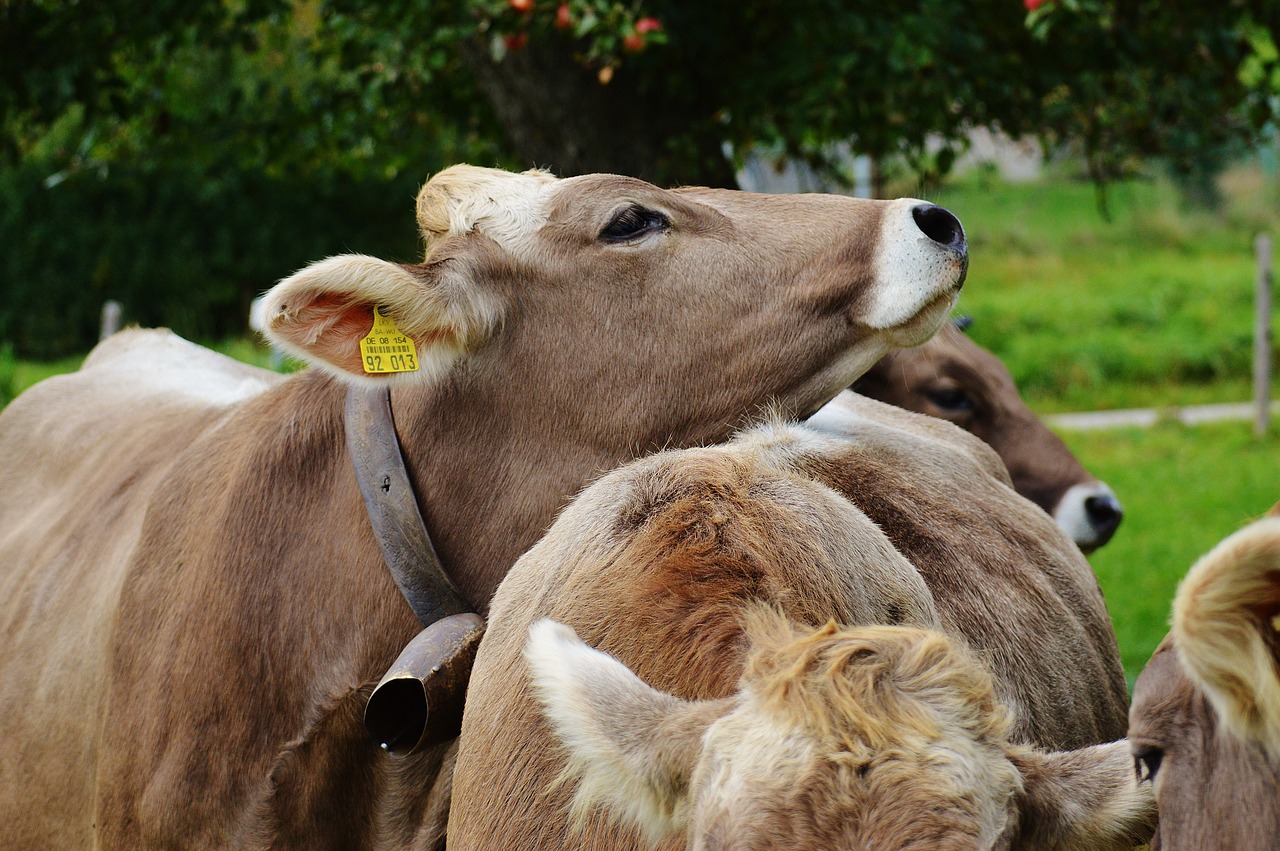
x=175 y=244
x=179 y=156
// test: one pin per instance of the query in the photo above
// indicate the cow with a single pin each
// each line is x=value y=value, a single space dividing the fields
x=870 y=737
x=865 y=515
x=195 y=606
x=955 y=379
x=1205 y=722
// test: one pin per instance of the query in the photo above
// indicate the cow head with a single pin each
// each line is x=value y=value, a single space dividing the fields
x=1205 y=720
x=953 y=378
x=875 y=737
x=699 y=304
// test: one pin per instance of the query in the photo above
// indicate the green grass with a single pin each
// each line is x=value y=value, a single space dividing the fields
x=1154 y=308
x=1183 y=489
x=17 y=375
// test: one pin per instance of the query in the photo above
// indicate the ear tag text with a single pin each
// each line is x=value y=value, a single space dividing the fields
x=385 y=349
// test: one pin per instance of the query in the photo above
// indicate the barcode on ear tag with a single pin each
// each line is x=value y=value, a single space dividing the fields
x=385 y=349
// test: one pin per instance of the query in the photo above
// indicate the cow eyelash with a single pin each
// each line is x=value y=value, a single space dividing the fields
x=951 y=399
x=633 y=222
x=1146 y=763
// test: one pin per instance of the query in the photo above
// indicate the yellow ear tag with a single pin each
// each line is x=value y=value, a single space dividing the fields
x=385 y=349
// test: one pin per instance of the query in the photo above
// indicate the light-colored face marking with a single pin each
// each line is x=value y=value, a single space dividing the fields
x=905 y=246
x=846 y=737
x=506 y=207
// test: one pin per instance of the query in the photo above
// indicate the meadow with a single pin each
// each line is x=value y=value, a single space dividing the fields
x=1153 y=308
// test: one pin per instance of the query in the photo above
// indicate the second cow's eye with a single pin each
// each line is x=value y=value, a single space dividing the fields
x=633 y=222
x=1146 y=763
x=950 y=399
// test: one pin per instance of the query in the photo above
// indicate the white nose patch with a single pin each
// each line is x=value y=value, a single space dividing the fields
x=911 y=268
x=1073 y=517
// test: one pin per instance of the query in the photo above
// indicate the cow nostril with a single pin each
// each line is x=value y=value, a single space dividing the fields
x=1104 y=512
x=940 y=225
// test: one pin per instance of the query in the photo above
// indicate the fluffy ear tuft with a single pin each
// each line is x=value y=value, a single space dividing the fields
x=632 y=748
x=1084 y=799
x=463 y=198
x=1226 y=626
x=323 y=311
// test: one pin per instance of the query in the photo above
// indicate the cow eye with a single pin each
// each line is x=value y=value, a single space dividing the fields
x=1146 y=763
x=950 y=399
x=633 y=222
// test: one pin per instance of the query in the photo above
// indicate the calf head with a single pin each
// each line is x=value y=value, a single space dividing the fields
x=883 y=737
x=1205 y=720
x=701 y=303
x=953 y=378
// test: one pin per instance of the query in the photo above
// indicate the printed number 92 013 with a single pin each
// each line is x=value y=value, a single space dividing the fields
x=390 y=363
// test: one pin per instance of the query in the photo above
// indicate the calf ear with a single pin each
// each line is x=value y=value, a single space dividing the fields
x=323 y=312
x=1085 y=799
x=1226 y=628
x=631 y=747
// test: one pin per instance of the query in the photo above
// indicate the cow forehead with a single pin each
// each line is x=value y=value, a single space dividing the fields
x=801 y=750
x=778 y=787
x=1212 y=787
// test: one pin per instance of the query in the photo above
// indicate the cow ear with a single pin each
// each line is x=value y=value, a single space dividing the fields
x=1089 y=798
x=1226 y=628
x=631 y=747
x=323 y=312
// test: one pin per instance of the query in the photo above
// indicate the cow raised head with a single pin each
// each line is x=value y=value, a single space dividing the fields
x=1205 y=720
x=953 y=378
x=886 y=737
x=564 y=326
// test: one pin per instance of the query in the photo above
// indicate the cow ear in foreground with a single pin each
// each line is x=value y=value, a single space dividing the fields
x=323 y=312
x=631 y=747
x=1088 y=798
x=1226 y=628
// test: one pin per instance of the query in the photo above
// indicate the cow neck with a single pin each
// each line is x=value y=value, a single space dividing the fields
x=393 y=509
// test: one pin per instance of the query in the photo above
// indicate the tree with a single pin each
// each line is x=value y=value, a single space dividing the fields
x=177 y=155
x=576 y=86
x=656 y=88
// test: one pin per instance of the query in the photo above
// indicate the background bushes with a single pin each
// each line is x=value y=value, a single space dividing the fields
x=174 y=245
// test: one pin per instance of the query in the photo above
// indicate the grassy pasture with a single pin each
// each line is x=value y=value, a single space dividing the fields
x=1152 y=309
x=1184 y=489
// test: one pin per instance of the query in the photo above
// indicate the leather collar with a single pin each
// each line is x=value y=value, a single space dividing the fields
x=393 y=507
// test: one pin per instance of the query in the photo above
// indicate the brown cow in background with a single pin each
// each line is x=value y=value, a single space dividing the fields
x=193 y=605
x=868 y=514
x=953 y=378
x=1205 y=720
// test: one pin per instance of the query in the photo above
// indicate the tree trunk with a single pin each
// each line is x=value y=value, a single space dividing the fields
x=558 y=115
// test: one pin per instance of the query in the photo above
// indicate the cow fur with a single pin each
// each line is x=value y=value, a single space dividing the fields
x=871 y=737
x=193 y=608
x=953 y=378
x=882 y=517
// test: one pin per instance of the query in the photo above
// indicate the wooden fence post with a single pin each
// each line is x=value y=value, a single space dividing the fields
x=1262 y=336
x=111 y=311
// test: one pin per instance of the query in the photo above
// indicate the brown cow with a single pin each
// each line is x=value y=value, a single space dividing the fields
x=871 y=737
x=1205 y=721
x=866 y=515
x=194 y=604
x=955 y=379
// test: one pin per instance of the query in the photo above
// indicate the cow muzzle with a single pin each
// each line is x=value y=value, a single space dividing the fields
x=419 y=702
